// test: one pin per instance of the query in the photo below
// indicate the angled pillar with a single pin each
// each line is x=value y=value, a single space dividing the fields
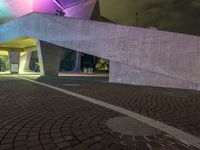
x=77 y=67
x=49 y=58
x=14 y=57
x=25 y=58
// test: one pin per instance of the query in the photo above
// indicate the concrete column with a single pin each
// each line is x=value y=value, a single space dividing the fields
x=25 y=58
x=49 y=58
x=77 y=67
x=14 y=57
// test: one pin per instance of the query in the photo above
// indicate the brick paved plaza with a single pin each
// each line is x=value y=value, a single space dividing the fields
x=35 y=117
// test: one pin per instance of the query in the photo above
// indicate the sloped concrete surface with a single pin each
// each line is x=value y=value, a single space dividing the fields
x=122 y=73
x=164 y=53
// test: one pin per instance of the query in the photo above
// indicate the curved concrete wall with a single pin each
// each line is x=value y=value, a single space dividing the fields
x=166 y=55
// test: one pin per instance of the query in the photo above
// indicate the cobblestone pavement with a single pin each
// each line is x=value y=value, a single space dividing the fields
x=178 y=108
x=34 y=117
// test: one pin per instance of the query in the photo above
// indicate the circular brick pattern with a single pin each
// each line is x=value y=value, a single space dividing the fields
x=34 y=117
x=177 y=108
x=128 y=126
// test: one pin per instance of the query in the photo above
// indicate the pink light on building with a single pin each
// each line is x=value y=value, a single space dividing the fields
x=45 y=6
x=20 y=7
x=73 y=8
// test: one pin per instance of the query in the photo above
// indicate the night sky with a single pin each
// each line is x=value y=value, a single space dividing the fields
x=171 y=15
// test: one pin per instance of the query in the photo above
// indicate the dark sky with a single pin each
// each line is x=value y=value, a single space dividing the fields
x=171 y=15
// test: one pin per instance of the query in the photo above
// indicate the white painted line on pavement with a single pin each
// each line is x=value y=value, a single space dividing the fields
x=176 y=133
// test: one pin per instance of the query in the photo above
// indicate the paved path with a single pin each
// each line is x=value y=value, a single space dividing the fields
x=178 y=108
x=34 y=117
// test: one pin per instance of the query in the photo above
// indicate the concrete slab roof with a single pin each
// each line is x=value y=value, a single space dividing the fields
x=21 y=43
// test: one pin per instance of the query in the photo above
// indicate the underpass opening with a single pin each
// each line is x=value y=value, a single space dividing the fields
x=74 y=63
x=19 y=56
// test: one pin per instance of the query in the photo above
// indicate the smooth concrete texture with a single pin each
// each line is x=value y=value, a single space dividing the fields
x=51 y=55
x=25 y=58
x=168 y=56
x=122 y=73
x=14 y=58
x=77 y=67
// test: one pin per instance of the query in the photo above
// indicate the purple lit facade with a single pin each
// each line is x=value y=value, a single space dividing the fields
x=77 y=8
x=45 y=6
x=72 y=8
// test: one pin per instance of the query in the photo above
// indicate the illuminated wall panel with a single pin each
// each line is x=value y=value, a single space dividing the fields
x=68 y=3
x=72 y=8
x=82 y=10
x=45 y=6
x=77 y=8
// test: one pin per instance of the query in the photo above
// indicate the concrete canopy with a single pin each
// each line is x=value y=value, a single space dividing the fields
x=137 y=55
x=20 y=44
